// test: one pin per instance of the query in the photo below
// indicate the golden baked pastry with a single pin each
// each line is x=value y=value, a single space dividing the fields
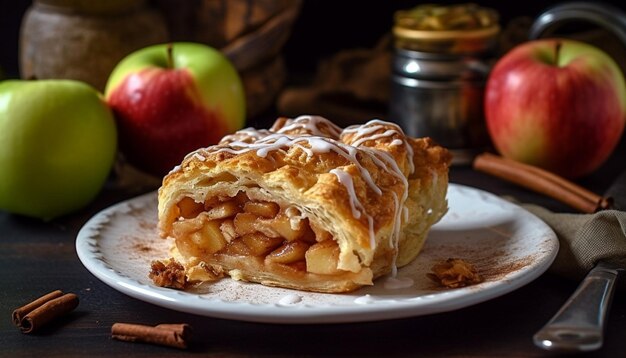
x=305 y=204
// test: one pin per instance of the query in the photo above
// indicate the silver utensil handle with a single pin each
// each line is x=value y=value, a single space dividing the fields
x=579 y=324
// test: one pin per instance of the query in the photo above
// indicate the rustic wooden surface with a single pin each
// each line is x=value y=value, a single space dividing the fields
x=38 y=257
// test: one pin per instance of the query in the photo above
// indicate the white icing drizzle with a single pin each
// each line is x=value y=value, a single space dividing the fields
x=316 y=141
x=246 y=134
x=396 y=142
x=365 y=133
x=290 y=299
x=346 y=179
x=199 y=156
x=355 y=204
x=385 y=160
x=175 y=169
x=362 y=134
x=387 y=133
x=395 y=283
x=311 y=125
x=277 y=141
x=393 y=240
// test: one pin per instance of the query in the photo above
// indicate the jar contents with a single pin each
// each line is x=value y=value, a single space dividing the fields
x=454 y=17
x=442 y=57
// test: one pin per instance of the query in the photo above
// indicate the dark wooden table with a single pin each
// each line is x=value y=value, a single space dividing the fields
x=38 y=257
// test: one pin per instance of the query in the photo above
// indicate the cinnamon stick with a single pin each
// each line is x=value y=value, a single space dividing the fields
x=542 y=181
x=20 y=312
x=171 y=335
x=43 y=310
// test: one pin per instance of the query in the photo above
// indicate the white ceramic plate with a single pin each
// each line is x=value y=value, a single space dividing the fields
x=509 y=246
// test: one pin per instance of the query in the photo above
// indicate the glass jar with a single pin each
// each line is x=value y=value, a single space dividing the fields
x=442 y=57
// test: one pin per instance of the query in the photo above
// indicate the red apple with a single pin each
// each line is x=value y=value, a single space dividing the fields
x=557 y=104
x=169 y=100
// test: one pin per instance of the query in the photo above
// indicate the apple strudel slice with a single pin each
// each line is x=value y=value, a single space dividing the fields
x=305 y=204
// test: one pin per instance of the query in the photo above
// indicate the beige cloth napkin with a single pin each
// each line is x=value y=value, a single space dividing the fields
x=586 y=239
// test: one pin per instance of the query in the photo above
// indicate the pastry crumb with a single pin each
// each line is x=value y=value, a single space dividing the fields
x=168 y=273
x=205 y=272
x=454 y=273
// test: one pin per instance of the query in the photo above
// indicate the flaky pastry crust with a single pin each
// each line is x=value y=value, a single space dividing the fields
x=369 y=189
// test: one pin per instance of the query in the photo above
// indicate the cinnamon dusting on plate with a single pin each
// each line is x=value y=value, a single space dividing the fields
x=498 y=271
x=141 y=247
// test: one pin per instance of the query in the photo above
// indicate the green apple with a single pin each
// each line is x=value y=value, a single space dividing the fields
x=171 y=99
x=57 y=146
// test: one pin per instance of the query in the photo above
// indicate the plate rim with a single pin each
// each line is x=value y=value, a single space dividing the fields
x=448 y=300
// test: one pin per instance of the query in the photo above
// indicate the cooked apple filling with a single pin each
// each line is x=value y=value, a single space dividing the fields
x=304 y=205
x=279 y=238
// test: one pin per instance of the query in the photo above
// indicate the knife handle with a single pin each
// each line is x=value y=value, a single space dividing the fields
x=579 y=325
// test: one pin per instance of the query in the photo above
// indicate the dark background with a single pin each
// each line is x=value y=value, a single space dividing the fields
x=323 y=28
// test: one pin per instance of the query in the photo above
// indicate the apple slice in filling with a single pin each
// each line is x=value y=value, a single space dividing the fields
x=251 y=234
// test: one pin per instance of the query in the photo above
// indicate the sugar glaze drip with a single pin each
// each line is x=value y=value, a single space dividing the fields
x=290 y=299
x=263 y=142
x=245 y=135
x=363 y=134
x=368 y=132
x=311 y=124
x=355 y=204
